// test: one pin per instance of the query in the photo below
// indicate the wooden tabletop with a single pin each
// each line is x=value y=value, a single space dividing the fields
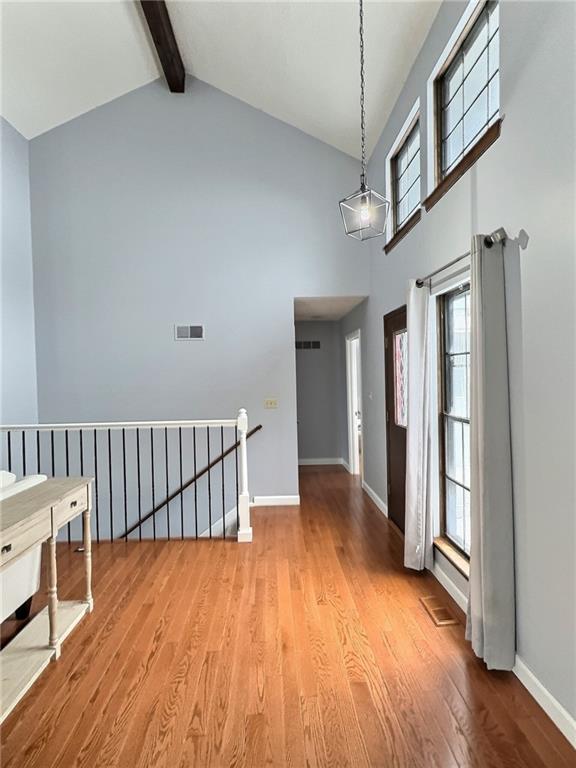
x=37 y=499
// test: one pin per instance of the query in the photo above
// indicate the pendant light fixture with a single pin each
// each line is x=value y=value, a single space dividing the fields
x=365 y=211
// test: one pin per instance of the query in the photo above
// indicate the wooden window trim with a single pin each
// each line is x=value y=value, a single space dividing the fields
x=453 y=555
x=474 y=153
x=409 y=224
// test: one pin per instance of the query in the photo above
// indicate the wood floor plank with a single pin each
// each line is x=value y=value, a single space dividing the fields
x=308 y=648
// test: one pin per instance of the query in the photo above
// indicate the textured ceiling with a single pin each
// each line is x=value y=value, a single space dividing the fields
x=296 y=61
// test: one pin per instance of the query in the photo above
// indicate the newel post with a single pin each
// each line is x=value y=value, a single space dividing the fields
x=244 y=527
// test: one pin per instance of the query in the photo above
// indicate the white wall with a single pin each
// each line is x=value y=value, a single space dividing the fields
x=524 y=181
x=158 y=209
x=19 y=400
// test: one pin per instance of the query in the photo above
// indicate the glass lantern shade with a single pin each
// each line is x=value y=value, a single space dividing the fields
x=364 y=214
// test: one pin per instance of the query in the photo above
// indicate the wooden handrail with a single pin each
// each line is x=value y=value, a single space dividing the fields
x=188 y=483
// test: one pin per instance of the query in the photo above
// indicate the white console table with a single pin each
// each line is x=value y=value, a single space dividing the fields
x=28 y=519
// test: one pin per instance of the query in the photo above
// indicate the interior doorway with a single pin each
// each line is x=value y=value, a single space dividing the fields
x=396 y=375
x=354 y=389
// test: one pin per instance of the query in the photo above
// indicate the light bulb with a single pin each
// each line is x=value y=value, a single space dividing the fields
x=364 y=211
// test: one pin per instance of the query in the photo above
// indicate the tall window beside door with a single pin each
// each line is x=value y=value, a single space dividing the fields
x=455 y=417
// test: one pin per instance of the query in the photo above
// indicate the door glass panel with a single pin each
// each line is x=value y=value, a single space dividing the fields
x=401 y=378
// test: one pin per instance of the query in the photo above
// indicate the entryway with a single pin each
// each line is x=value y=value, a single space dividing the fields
x=396 y=360
x=354 y=398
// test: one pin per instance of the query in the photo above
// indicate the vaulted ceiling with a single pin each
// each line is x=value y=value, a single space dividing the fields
x=297 y=61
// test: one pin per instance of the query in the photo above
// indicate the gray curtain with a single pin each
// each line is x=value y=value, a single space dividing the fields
x=491 y=621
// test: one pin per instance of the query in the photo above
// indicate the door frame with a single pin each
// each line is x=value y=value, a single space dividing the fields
x=355 y=464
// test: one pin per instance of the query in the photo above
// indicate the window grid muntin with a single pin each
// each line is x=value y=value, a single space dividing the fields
x=397 y=177
x=446 y=417
x=489 y=12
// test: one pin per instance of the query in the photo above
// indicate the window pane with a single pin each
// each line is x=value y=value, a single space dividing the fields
x=475 y=44
x=453 y=112
x=493 y=96
x=466 y=448
x=493 y=18
x=413 y=170
x=467 y=540
x=453 y=79
x=453 y=147
x=413 y=143
x=476 y=117
x=494 y=54
x=402 y=212
x=408 y=178
x=454 y=458
x=458 y=322
x=455 y=513
x=414 y=197
x=476 y=80
x=400 y=378
x=402 y=161
x=457 y=377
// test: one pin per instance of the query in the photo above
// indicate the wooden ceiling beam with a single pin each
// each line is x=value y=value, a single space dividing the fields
x=160 y=26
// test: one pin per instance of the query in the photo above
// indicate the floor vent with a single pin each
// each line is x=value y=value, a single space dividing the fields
x=439 y=613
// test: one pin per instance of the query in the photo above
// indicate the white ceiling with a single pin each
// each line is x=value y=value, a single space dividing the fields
x=325 y=307
x=297 y=61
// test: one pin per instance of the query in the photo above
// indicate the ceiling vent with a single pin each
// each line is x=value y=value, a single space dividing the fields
x=188 y=332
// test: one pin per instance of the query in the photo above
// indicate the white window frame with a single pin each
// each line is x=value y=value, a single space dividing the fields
x=409 y=123
x=465 y=24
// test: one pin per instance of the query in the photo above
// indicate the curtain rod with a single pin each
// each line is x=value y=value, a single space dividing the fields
x=499 y=236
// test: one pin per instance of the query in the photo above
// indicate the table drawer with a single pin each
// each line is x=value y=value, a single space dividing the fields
x=70 y=506
x=36 y=532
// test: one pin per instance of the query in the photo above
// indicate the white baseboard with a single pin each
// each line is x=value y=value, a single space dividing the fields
x=275 y=501
x=456 y=594
x=346 y=465
x=382 y=506
x=561 y=718
x=318 y=462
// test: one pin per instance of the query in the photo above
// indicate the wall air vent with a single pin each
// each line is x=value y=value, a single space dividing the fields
x=188 y=332
x=307 y=345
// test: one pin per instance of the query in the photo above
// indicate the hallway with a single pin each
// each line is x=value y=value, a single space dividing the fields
x=309 y=647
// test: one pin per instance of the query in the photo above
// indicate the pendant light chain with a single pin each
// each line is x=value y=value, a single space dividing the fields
x=362 y=117
x=365 y=211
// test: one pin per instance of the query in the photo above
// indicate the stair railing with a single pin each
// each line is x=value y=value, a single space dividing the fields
x=134 y=464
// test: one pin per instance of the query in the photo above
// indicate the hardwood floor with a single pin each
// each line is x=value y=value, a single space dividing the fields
x=309 y=647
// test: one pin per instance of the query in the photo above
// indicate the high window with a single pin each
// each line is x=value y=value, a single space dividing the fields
x=455 y=417
x=468 y=91
x=405 y=167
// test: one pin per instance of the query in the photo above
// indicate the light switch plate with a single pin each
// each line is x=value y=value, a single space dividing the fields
x=271 y=402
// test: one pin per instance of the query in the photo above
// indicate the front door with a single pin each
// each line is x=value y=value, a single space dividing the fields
x=396 y=360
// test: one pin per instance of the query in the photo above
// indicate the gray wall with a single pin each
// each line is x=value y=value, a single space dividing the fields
x=526 y=180
x=158 y=209
x=321 y=392
x=19 y=400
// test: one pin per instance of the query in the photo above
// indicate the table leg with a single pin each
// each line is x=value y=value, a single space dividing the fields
x=88 y=559
x=53 y=641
